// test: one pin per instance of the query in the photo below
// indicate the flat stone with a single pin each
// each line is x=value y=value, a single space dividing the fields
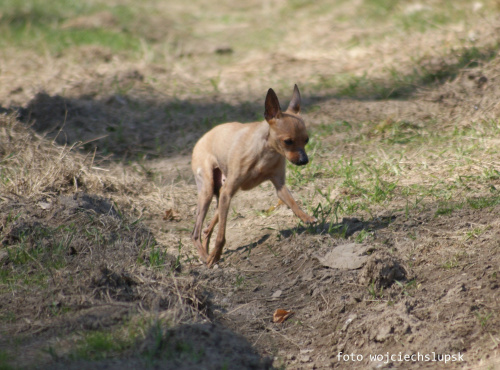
x=350 y=256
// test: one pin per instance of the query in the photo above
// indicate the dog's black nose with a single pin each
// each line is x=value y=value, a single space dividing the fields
x=303 y=159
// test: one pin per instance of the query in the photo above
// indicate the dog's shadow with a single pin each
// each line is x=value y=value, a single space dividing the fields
x=344 y=229
x=248 y=247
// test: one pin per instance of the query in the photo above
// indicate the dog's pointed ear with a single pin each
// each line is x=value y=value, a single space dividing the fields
x=295 y=102
x=273 y=109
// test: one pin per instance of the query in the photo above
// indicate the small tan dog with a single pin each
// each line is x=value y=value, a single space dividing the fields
x=235 y=156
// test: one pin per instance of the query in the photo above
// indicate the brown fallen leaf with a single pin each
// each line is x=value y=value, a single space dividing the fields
x=281 y=315
x=171 y=215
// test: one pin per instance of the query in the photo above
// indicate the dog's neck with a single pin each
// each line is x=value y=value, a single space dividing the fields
x=268 y=137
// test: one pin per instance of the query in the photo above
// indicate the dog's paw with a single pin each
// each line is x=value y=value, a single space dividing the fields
x=211 y=262
x=202 y=252
x=310 y=220
x=214 y=257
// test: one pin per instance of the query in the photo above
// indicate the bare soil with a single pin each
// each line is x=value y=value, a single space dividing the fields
x=336 y=313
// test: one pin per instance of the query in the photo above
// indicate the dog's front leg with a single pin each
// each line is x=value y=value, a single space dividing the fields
x=287 y=198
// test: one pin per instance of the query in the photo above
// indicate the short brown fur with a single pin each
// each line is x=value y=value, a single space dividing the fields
x=235 y=156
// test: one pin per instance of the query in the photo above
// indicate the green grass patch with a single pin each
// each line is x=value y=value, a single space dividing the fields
x=363 y=235
x=326 y=129
x=34 y=254
x=56 y=40
x=45 y=245
x=364 y=179
x=99 y=345
x=456 y=261
x=483 y=202
x=408 y=288
x=42 y=26
x=6 y=360
x=362 y=183
x=24 y=13
x=447 y=207
x=483 y=318
x=153 y=255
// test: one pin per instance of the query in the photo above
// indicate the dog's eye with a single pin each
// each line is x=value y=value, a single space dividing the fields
x=288 y=141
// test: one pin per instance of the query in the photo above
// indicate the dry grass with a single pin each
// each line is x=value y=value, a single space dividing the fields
x=31 y=166
x=70 y=256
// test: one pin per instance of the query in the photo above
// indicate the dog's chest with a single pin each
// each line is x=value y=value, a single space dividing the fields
x=264 y=168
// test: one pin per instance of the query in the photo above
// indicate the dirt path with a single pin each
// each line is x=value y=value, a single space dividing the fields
x=410 y=307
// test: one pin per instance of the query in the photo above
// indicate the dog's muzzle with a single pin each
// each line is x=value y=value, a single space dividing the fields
x=302 y=159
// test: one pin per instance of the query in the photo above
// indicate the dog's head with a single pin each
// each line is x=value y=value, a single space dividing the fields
x=288 y=134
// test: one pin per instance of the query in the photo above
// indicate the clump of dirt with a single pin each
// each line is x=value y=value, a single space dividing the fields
x=382 y=270
x=119 y=286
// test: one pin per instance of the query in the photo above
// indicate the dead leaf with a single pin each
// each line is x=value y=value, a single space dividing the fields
x=281 y=315
x=171 y=215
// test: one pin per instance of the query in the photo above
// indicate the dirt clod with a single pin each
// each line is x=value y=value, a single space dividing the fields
x=382 y=270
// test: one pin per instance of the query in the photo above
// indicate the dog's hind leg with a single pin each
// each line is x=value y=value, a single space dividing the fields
x=205 y=194
x=227 y=191
x=207 y=233
x=219 y=180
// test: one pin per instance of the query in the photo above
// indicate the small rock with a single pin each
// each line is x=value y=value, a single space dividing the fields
x=45 y=205
x=349 y=321
x=384 y=332
x=305 y=358
x=277 y=293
